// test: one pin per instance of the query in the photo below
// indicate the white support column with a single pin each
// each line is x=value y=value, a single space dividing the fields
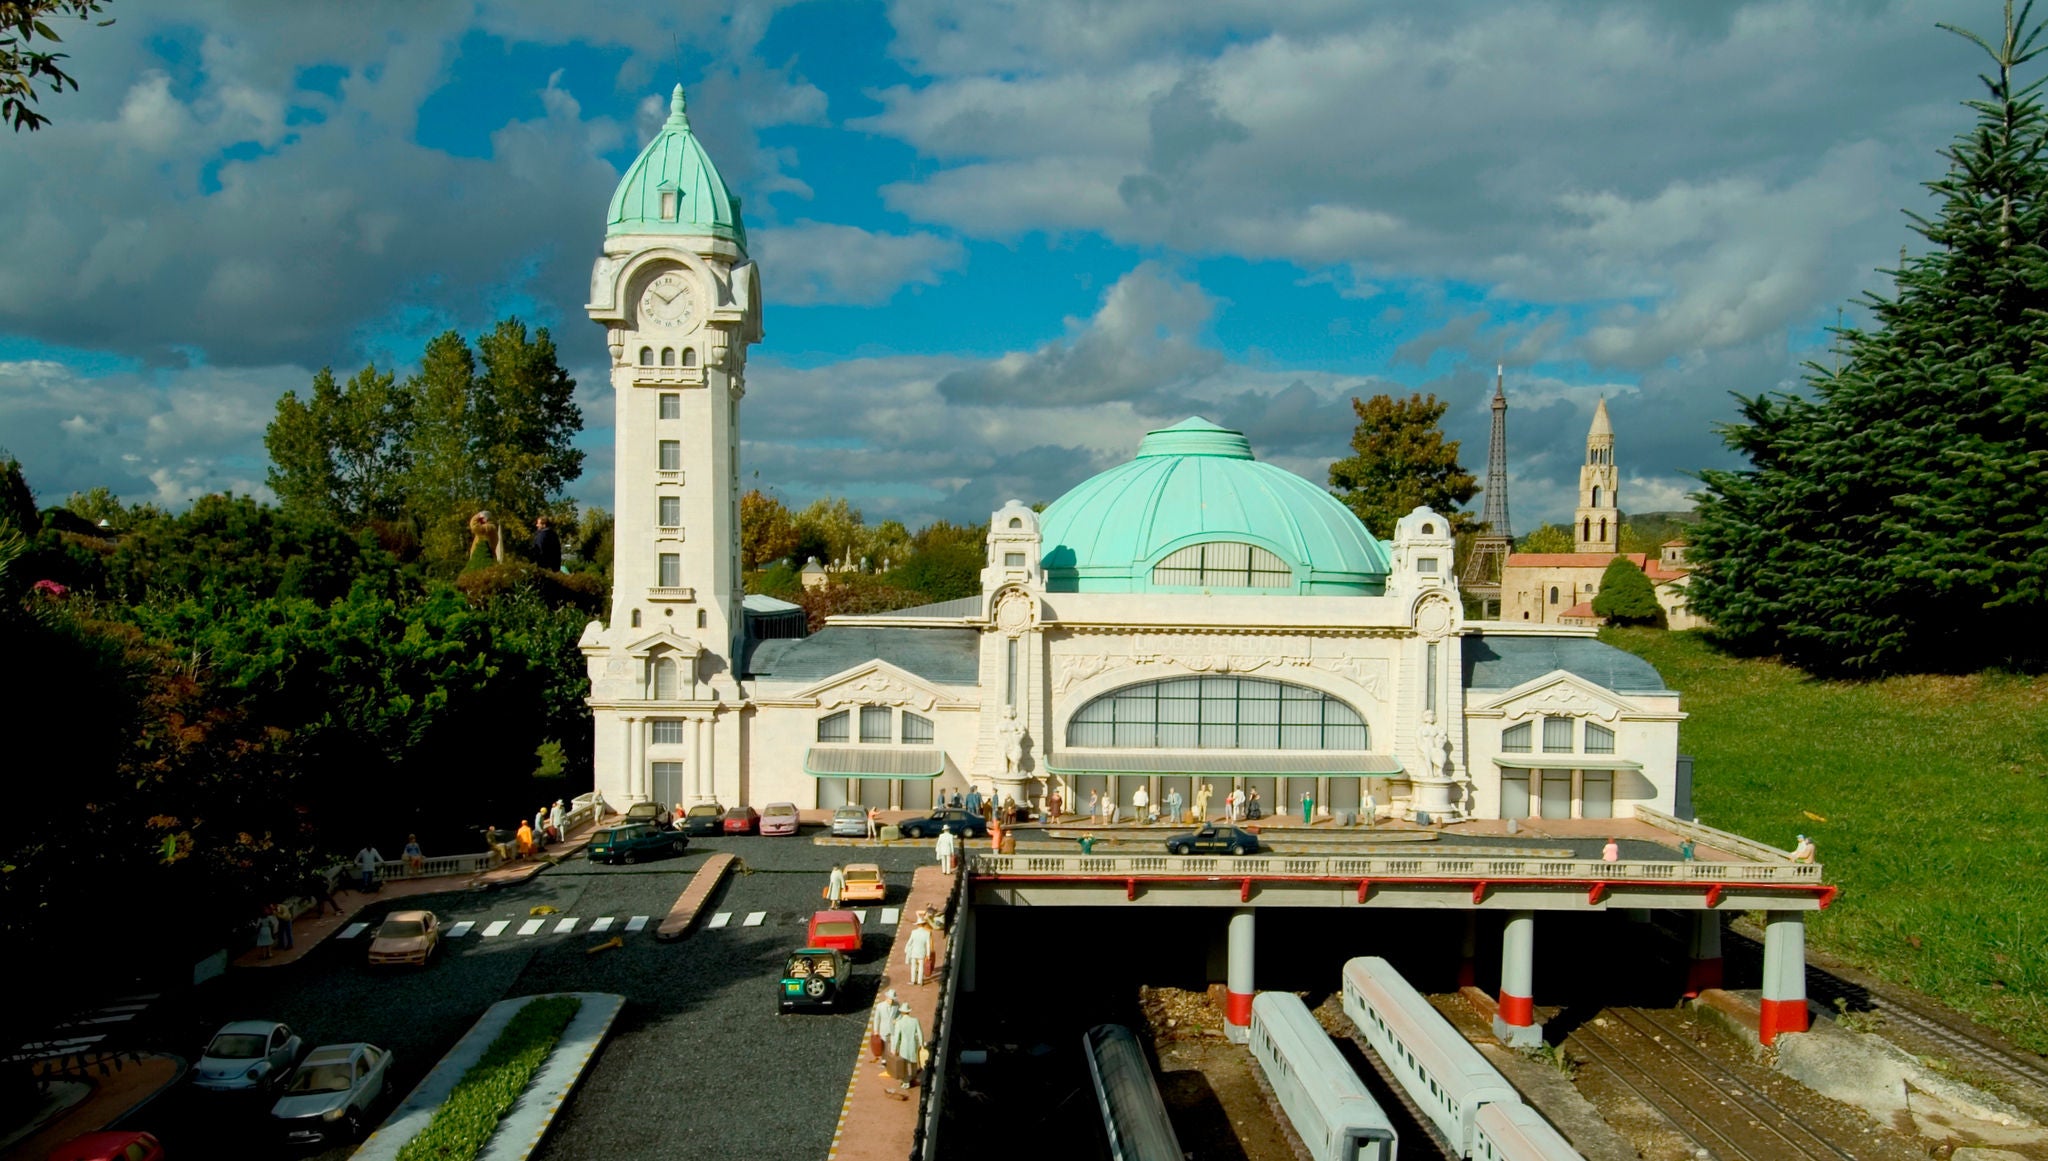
x=1703 y=964
x=1237 y=976
x=1515 y=1025
x=1784 y=1000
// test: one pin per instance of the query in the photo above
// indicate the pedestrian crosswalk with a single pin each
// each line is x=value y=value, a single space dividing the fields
x=87 y=1031
x=571 y=925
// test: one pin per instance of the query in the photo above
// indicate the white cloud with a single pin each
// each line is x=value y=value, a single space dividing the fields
x=822 y=262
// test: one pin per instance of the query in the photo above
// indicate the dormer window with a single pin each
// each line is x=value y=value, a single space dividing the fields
x=668 y=205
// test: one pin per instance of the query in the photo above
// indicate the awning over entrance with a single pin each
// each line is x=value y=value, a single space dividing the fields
x=874 y=761
x=1564 y=762
x=1224 y=763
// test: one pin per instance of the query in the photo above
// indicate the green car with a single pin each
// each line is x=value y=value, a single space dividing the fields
x=628 y=843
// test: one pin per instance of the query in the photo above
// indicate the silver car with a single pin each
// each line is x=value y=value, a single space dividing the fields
x=850 y=822
x=330 y=1094
x=246 y=1055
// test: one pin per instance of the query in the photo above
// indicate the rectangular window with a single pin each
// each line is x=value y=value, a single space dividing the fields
x=1010 y=680
x=671 y=455
x=1516 y=739
x=917 y=729
x=1425 y=564
x=669 y=511
x=1013 y=560
x=874 y=723
x=833 y=727
x=1557 y=735
x=671 y=570
x=671 y=405
x=1429 y=680
x=1599 y=739
x=668 y=732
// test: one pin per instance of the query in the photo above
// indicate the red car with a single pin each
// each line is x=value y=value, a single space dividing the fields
x=741 y=820
x=109 y=1147
x=835 y=931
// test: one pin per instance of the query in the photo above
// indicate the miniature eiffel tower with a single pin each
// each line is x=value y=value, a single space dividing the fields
x=1489 y=552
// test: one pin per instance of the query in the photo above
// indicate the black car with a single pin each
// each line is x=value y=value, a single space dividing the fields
x=814 y=977
x=960 y=822
x=705 y=818
x=1214 y=840
x=634 y=841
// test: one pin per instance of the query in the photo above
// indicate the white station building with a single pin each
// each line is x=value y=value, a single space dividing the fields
x=1192 y=617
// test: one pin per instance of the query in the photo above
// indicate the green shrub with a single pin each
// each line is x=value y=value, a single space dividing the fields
x=1626 y=597
x=466 y=1121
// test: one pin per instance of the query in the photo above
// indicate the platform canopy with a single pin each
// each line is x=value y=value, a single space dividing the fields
x=874 y=761
x=1225 y=763
x=1564 y=762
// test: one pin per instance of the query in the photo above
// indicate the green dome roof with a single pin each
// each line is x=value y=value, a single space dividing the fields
x=674 y=163
x=1197 y=483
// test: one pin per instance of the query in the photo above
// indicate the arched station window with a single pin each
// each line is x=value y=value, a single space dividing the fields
x=689 y=356
x=834 y=727
x=647 y=356
x=668 y=356
x=1218 y=713
x=1223 y=564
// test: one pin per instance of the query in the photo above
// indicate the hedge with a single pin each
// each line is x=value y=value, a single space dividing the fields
x=466 y=1121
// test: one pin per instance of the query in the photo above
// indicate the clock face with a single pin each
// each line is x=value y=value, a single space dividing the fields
x=670 y=301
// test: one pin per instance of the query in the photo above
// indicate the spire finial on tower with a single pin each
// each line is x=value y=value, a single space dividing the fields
x=1601 y=424
x=678 y=108
x=1500 y=381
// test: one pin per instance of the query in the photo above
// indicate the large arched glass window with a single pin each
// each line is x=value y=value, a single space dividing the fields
x=1218 y=713
x=1223 y=564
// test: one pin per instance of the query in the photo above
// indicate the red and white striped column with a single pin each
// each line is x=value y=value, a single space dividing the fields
x=1703 y=959
x=1515 y=1024
x=1784 y=1002
x=1237 y=976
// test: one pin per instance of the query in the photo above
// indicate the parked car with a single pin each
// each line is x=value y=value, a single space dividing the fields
x=246 y=1056
x=633 y=842
x=741 y=820
x=779 y=818
x=1213 y=840
x=962 y=823
x=329 y=1095
x=704 y=818
x=835 y=930
x=813 y=977
x=110 y=1146
x=864 y=884
x=850 y=822
x=406 y=937
x=653 y=813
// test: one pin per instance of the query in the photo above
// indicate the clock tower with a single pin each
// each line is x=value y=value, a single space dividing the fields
x=680 y=303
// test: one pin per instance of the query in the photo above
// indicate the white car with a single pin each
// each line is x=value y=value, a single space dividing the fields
x=246 y=1055
x=330 y=1094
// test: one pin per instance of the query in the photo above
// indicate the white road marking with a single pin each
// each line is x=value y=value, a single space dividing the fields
x=461 y=929
x=890 y=915
x=352 y=930
x=114 y=1018
x=566 y=926
x=862 y=916
x=719 y=920
x=531 y=926
x=754 y=919
x=636 y=923
x=497 y=927
x=598 y=925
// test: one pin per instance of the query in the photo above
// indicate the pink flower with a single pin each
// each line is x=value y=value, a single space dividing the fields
x=49 y=588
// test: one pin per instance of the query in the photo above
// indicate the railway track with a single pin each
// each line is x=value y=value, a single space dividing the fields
x=1719 y=1111
x=1951 y=1034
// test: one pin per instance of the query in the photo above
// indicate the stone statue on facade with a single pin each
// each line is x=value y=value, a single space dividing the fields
x=1435 y=743
x=1012 y=733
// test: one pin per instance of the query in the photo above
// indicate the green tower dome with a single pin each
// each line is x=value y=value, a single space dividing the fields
x=672 y=188
x=1194 y=512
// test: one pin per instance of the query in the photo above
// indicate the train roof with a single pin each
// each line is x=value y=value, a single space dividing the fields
x=1426 y=1032
x=1523 y=1133
x=1305 y=1041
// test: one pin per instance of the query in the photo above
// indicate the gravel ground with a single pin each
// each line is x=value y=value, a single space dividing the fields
x=699 y=1062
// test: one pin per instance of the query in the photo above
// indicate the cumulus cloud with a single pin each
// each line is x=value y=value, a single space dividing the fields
x=822 y=262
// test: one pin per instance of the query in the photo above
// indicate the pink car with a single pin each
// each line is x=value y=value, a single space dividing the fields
x=779 y=818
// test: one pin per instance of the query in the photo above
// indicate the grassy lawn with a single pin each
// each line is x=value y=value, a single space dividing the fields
x=1934 y=792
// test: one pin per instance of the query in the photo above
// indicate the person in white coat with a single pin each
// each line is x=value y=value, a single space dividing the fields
x=835 y=887
x=881 y=1022
x=948 y=850
x=367 y=861
x=1140 y=800
x=906 y=1050
x=917 y=949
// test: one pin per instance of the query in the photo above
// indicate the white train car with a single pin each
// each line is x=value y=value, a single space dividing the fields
x=1323 y=1098
x=1440 y=1070
x=1514 y=1132
x=1134 y=1119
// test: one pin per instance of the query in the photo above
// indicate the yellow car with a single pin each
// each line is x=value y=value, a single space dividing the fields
x=408 y=937
x=864 y=884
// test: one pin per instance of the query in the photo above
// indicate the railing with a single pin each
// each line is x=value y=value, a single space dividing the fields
x=582 y=809
x=1700 y=833
x=1392 y=867
x=932 y=1086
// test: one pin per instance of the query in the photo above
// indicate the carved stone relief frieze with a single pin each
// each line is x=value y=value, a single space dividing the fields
x=1197 y=655
x=877 y=689
x=1564 y=701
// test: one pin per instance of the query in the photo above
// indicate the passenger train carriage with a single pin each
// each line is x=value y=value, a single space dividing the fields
x=1133 y=1113
x=1323 y=1098
x=1516 y=1132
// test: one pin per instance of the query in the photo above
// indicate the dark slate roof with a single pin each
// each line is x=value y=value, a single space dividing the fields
x=944 y=655
x=943 y=611
x=1498 y=661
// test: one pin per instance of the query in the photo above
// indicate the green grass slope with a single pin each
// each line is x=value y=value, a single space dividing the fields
x=1934 y=792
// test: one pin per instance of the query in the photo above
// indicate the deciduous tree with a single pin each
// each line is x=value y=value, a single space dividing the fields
x=23 y=65
x=767 y=531
x=1399 y=460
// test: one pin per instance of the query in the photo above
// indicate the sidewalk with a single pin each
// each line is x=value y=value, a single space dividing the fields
x=874 y=1126
x=113 y=1096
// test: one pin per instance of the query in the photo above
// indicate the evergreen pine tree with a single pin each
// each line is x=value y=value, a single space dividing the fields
x=1626 y=596
x=1888 y=517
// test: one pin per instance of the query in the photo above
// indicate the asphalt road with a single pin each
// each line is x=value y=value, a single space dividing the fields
x=700 y=1062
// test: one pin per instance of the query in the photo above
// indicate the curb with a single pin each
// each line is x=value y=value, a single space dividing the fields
x=702 y=886
x=552 y=1083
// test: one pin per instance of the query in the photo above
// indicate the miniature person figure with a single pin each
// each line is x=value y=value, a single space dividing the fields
x=525 y=839
x=835 y=886
x=1087 y=844
x=973 y=803
x=1371 y=809
x=540 y=829
x=947 y=849
x=559 y=819
x=1094 y=806
x=906 y=1044
x=547 y=547
x=367 y=861
x=1108 y=808
x=916 y=947
x=415 y=858
x=881 y=1022
x=1308 y=807
x=1141 y=799
x=874 y=823
x=266 y=929
x=1173 y=804
x=284 y=926
x=1685 y=851
x=1611 y=853
x=598 y=807
x=1804 y=852
x=1054 y=804
x=1253 y=808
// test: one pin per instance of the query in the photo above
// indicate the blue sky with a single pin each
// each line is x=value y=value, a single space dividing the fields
x=999 y=241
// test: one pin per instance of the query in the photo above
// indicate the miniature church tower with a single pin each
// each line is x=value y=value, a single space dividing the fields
x=1596 y=525
x=680 y=304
